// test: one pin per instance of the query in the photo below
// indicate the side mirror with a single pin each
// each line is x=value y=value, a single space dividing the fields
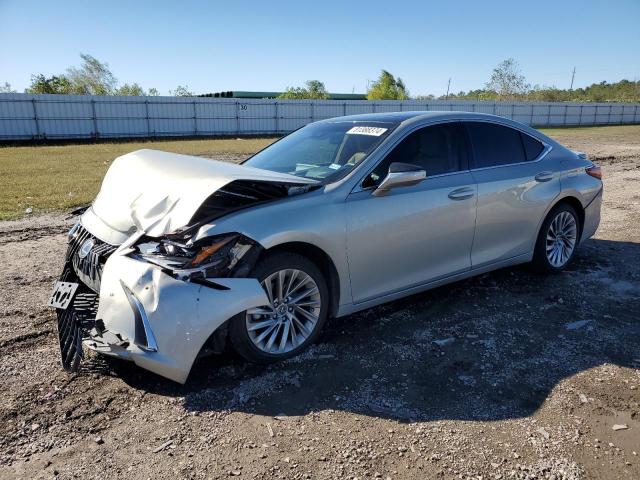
x=400 y=175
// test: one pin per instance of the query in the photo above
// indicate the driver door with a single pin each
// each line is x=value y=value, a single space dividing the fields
x=416 y=234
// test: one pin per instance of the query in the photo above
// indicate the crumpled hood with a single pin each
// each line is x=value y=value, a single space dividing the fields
x=158 y=192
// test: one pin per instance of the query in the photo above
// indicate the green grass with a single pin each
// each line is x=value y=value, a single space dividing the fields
x=50 y=178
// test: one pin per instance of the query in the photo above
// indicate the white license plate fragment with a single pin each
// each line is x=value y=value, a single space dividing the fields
x=62 y=295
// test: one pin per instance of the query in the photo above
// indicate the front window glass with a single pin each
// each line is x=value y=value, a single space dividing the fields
x=437 y=149
x=323 y=151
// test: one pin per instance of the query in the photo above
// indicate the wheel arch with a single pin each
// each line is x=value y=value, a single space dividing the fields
x=321 y=259
x=573 y=202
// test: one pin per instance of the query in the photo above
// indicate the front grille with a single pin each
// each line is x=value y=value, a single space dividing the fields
x=89 y=266
x=75 y=321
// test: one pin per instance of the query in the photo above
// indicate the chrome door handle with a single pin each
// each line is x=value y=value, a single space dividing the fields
x=462 y=193
x=544 y=176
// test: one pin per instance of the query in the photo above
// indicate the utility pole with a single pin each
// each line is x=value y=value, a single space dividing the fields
x=573 y=74
x=448 y=85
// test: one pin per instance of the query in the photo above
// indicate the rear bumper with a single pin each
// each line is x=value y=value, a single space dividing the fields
x=159 y=322
x=592 y=217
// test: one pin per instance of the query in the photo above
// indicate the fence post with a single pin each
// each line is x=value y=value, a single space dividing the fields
x=531 y=115
x=344 y=109
x=635 y=113
x=580 y=119
x=35 y=117
x=548 y=114
x=313 y=112
x=494 y=108
x=146 y=112
x=277 y=120
x=513 y=110
x=195 y=119
x=237 y=118
x=609 y=116
x=95 y=120
x=374 y=107
x=564 y=122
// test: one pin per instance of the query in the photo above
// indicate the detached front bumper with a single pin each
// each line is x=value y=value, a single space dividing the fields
x=159 y=322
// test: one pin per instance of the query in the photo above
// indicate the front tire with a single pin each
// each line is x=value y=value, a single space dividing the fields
x=558 y=240
x=298 y=309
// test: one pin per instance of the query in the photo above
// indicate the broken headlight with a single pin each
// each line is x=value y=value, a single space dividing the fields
x=219 y=256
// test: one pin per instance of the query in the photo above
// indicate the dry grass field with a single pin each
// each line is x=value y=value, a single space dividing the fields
x=57 y=177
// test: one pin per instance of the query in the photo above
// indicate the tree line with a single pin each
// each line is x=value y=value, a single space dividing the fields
x=92 y=77
x=506 y=83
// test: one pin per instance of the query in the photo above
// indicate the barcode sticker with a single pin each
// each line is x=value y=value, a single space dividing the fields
x=373 y=131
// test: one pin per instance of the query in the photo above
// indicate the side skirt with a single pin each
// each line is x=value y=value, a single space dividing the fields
x=353 y=308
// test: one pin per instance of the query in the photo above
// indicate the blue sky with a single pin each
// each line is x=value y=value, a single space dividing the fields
x=246 y=45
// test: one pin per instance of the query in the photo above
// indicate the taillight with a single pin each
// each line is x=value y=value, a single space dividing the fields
x=595 y=171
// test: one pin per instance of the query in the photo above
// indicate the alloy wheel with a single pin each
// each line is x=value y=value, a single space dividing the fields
x=291 y=316
x=561 y=239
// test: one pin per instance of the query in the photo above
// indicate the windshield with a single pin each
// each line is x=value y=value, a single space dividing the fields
x=323 y=151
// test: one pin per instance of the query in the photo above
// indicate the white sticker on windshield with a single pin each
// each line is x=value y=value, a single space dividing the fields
x=374 y=131
x=335 y=166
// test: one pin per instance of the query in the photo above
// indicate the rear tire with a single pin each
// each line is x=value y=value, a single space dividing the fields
x=298 y=310
x=557 y=240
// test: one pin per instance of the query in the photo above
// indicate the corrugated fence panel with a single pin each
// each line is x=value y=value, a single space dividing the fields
x=27 y=117
x=216 y=118
x=17 y=118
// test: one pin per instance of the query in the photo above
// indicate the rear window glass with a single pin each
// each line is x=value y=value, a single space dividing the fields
x=532 y=147
x=495 y=145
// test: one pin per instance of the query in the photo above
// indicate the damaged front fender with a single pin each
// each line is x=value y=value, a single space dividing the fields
x=180 y=316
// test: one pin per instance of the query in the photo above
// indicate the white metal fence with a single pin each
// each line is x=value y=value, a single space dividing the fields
x=25 y=117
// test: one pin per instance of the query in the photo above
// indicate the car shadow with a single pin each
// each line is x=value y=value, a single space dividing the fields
x=487 y=348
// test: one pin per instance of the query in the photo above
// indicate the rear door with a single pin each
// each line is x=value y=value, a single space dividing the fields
x=414 y=234
x=516 y=184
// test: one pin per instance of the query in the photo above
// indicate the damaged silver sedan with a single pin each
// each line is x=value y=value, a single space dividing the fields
x=178 y=255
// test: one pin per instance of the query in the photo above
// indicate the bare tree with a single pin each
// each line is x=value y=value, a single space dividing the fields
x=6 y=88
x=181 y=91
x=507 y=80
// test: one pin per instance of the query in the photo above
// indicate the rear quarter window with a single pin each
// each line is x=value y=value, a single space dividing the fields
x=495 y=145
x=532 y=147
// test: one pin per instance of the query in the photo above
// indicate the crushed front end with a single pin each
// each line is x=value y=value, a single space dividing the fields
x=155 y=302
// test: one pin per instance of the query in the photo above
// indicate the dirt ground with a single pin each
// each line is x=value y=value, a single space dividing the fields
x=509 y=375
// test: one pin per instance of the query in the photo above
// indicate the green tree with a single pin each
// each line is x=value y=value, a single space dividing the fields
x=313 y=90
x=507 y=80
x=6 y=88
x=387 y=87
x=133 y=90
x=55 y=84
x=92 y=78
x=153 y=92
x=181 y=91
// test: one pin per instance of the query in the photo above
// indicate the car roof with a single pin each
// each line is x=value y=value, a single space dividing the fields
x=415 y=115
x=412 y=117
